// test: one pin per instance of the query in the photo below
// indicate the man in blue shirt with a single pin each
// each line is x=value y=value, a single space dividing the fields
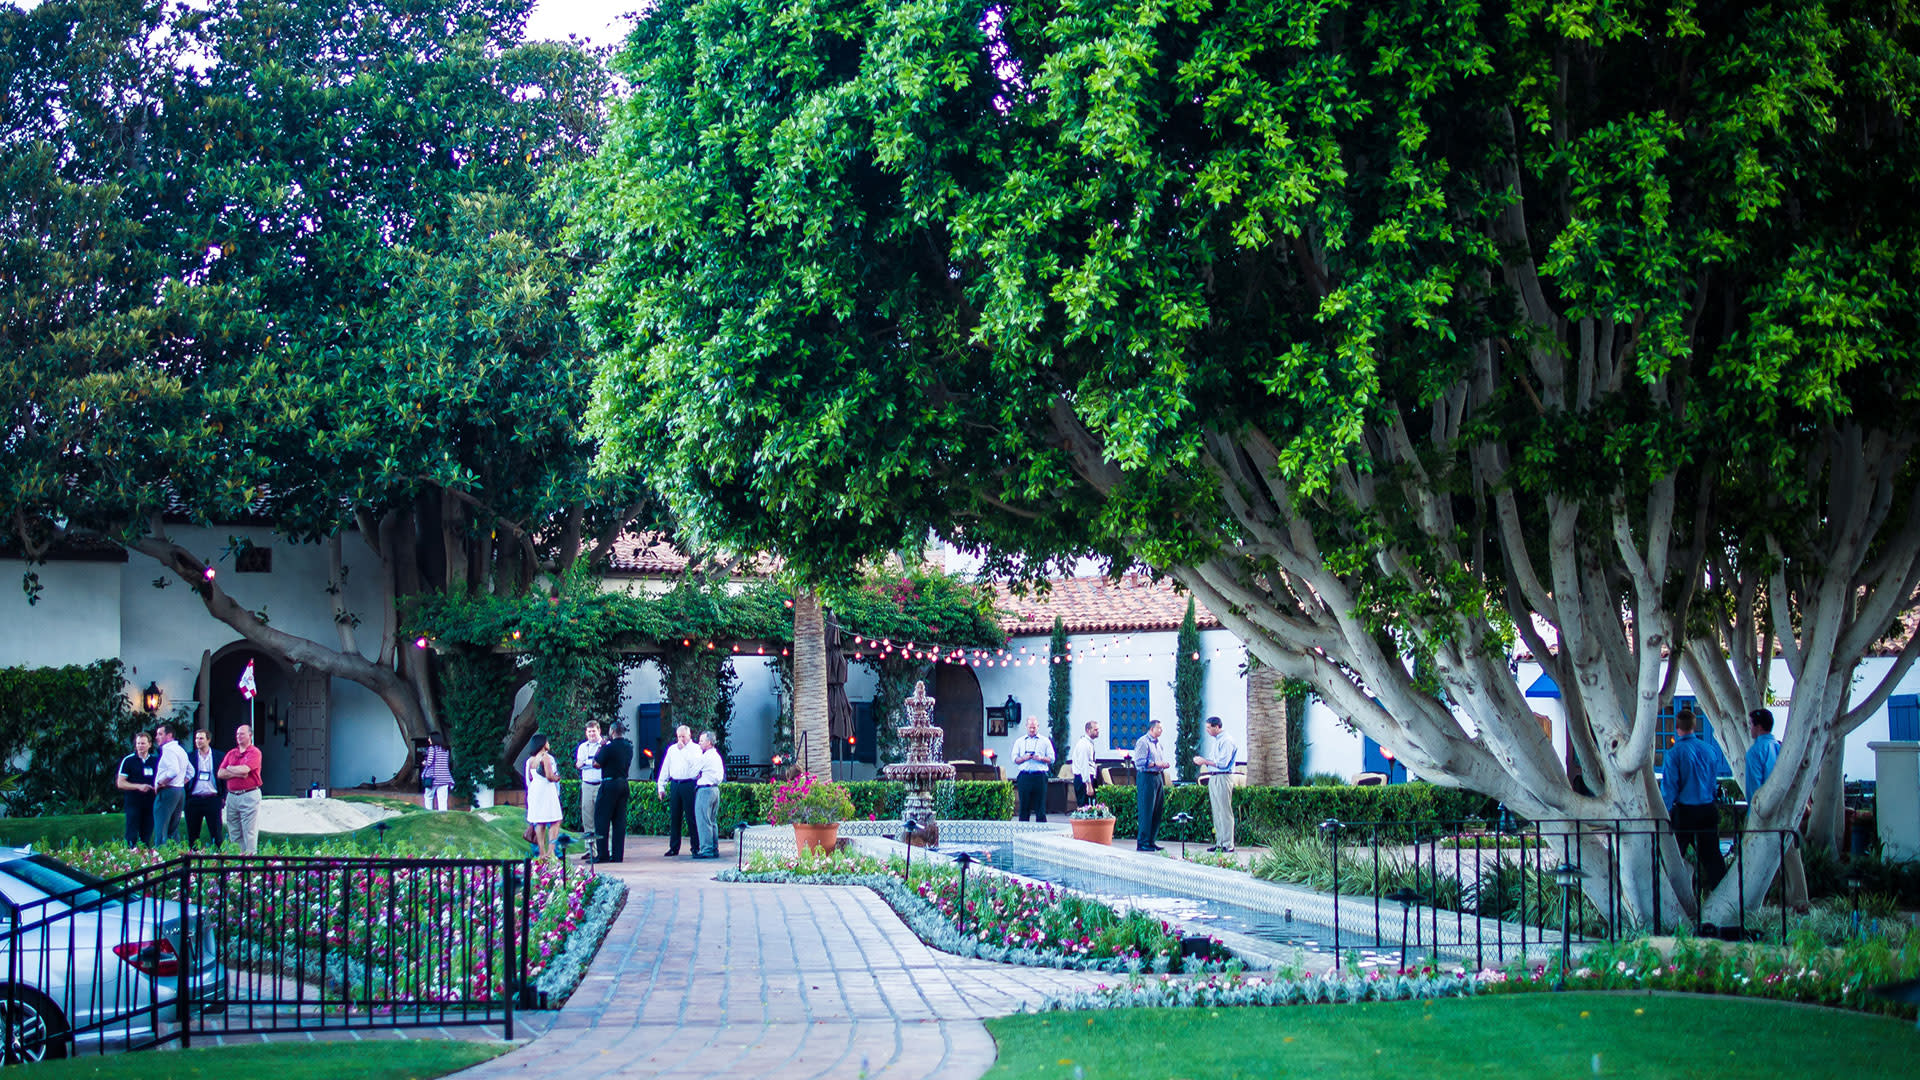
x=1764 y=752
x=1761 y=758
x=1688 y=785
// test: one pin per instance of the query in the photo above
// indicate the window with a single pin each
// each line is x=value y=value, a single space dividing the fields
x=1127 y=717
x=253 y=560
x=1663 y=735
x=1903 y=717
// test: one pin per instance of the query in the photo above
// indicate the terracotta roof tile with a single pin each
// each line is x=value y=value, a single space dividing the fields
x=648 y=554
x=1092 y=605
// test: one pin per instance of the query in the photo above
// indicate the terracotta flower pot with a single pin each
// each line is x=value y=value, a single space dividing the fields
x=817 y=837
x=1093 y=830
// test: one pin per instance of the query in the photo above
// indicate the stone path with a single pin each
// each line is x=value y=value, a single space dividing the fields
x=698 y=978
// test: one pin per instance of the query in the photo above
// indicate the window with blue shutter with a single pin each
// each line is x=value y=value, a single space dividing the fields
x=1127 y=717
x=1903 y=717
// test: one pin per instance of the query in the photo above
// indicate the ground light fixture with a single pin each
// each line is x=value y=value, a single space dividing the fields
x=965 y=859
x=740 y=846
x=1330 y=828
x=907 y=828
x=1182 y=819
x=1406 y=898
x=1568 y=877
x=560 y=849
x=381 y=828
x=1853 y=895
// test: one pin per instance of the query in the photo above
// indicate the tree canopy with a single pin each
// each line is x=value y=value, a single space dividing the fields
x=286 y=263
x=1418 y=330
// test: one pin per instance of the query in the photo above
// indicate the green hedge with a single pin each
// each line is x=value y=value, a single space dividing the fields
x=873 y=800
x=1260 y=812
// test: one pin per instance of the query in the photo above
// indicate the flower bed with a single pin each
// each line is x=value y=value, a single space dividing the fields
x=1007 y=920
x=291 y=921
x=1807 y=971
x=1236 y=987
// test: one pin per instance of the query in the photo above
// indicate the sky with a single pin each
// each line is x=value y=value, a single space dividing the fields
x=603 y=22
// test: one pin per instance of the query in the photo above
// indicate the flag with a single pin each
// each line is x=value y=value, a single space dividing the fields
x=248 y=688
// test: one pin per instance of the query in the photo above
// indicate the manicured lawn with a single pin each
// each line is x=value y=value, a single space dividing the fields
x=1523 y=1035
x=397 y=1059
x=476 y=835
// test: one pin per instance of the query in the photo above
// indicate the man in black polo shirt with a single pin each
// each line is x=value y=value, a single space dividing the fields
x=135 y=781
x=614 y=760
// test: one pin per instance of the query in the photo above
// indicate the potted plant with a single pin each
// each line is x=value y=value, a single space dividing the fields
x=1092 y=823
x=815 y=808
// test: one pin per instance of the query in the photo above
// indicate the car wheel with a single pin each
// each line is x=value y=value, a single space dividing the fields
x=32 y=1026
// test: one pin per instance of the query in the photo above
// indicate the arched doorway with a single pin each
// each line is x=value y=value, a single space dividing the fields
x=288 y=714
x=959 y=711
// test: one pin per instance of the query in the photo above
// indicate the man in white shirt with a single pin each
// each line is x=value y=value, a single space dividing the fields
x=1086 y=764
x=203 y=792
x=679 y=774
x=706 y=799
x=1033 y=762
x=1216 y=761
x=170 y=778
x=583 y=756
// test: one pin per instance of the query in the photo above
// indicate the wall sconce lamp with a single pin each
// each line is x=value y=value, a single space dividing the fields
x=150 y=698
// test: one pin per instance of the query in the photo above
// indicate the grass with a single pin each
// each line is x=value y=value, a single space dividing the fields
x=395 y=1059
x=1540 y=1035
x=485 y=834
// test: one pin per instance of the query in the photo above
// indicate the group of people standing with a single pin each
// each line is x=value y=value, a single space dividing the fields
x=164 y=785
x=1690 y=786
x=688 y=780
x=1033 y=757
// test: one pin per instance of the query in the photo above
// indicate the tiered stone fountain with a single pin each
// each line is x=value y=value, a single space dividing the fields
x=922 y=769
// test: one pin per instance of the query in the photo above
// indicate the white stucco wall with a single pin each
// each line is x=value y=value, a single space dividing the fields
x=75 y=621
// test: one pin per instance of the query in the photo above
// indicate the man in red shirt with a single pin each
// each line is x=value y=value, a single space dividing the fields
x=240 y=768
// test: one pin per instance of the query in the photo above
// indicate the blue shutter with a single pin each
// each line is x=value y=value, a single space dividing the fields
x=1903 y=717
x=1127 y=717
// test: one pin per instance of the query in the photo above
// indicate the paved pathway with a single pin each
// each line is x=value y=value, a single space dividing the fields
x=698 y=978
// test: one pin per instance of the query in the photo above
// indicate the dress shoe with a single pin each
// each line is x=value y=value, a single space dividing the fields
x=697 y=855
x=673 y=855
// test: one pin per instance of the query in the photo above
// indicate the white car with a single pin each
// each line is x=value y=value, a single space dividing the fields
x=88 y=961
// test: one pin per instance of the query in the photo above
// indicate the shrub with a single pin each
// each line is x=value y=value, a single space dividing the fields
x=73 y=724
x=1264 y=813
x=973 y=800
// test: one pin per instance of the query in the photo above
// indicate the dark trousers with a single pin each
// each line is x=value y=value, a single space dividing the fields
x=680 y=795
x=1698 y=827
x=1084 y=789
x=203 y=810
x=610 y=821
x=1032 y=789
x=1147 y=788
x=139 y=811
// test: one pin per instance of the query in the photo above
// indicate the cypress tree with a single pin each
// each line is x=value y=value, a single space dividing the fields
x=1189 y=678
x=1059 y=688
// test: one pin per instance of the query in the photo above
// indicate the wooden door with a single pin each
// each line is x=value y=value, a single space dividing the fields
x=307 y=732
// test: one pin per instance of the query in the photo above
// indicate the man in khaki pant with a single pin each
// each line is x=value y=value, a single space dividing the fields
x=1216 y=769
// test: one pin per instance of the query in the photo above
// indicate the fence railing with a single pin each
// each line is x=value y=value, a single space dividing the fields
x=233 y=945
x=1527 y=889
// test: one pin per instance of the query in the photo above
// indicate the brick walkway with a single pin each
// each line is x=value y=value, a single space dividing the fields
x=698 y=978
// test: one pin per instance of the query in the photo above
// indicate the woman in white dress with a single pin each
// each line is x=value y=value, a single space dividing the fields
x=543 y=795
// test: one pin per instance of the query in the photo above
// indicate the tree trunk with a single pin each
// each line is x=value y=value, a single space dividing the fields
x=812 y=746
x=1267 y=750
x=396 y=693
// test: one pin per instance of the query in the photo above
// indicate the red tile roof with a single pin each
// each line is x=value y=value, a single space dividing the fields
x=1093 y=605
x=654 y=554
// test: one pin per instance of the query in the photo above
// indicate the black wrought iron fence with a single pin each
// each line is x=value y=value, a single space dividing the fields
x=231 y=945
x=1528 y=888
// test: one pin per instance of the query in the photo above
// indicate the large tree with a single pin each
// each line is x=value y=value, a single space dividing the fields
x=286 y=262
x=1401 y=334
